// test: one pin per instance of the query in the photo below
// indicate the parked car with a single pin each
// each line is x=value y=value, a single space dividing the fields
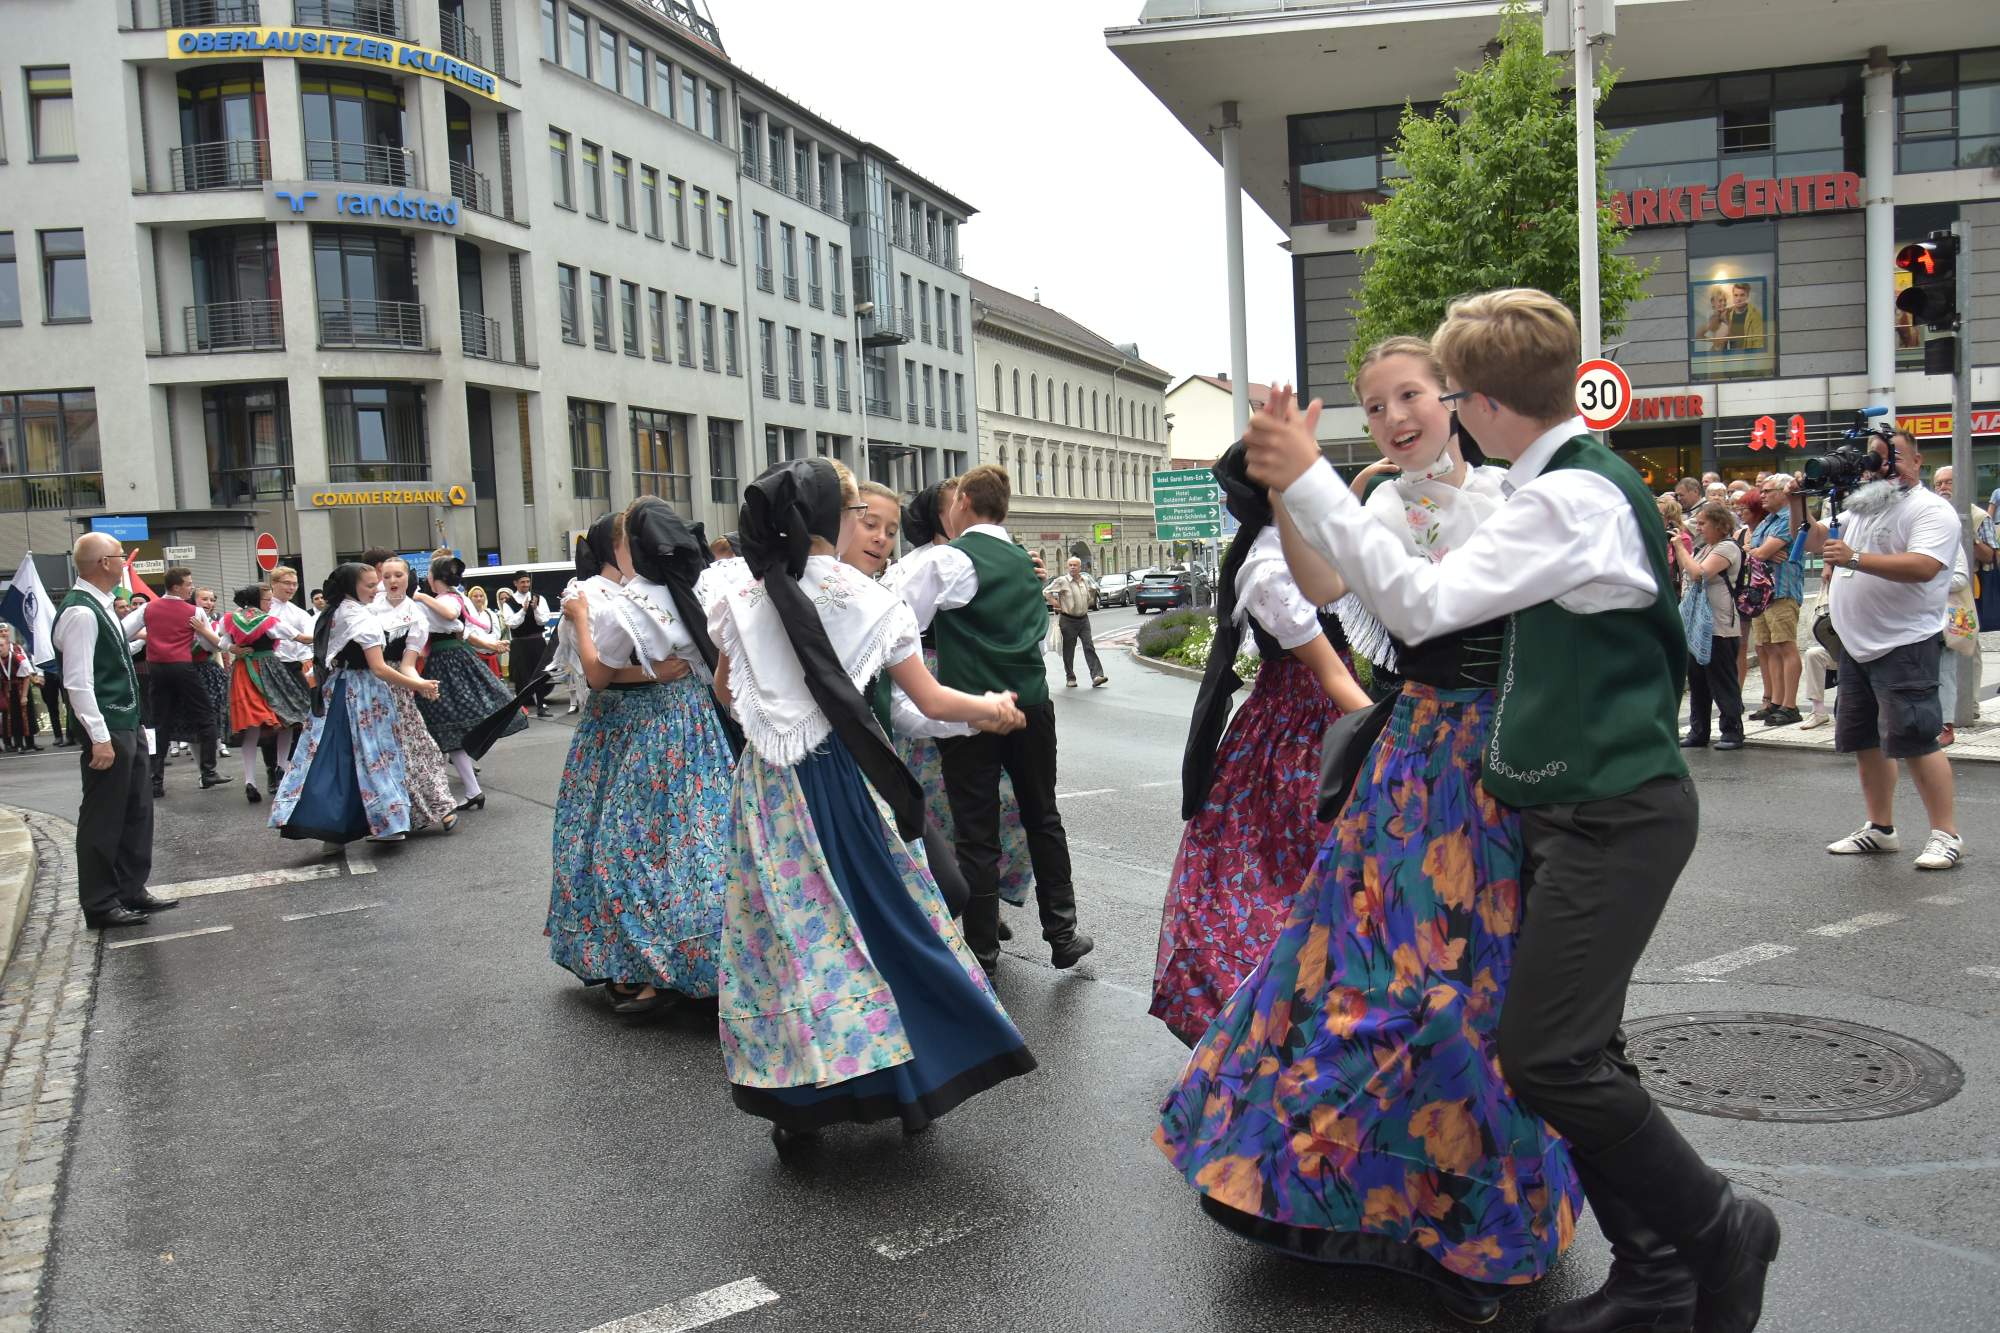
x=1114 y=590
x=1163 y=591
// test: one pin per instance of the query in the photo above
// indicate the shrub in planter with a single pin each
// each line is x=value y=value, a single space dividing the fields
x=1160 y=636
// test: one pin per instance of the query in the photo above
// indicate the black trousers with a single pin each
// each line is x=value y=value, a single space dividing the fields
x=178 y=694
x=114 y=825
x=52 y=699
x=525 y=655
x=1075 y=628
x=972 y=769
x=1715 y=688
x=1596 y=876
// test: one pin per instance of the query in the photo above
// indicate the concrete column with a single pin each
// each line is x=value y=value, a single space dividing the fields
x=1232 y=223
x=287 y=121
x=509 y=501
x=1879 y=192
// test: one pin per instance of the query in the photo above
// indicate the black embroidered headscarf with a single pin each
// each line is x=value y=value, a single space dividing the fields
x=668 y=551
x=341 y=586
x=783 y=510
x=922 y=523
x=598 y=548
x=1251 y=505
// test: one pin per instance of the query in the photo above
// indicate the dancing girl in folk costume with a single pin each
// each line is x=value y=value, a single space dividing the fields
x=1346 y=1106
x=467 y=692
x=266 y=700
x=350 y=782
x=847 y=992
x=404 y=630
x=1247 y=846
x=293 y=645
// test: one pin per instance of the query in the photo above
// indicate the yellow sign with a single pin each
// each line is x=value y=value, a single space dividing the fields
x=352 y=48
x=337 y=495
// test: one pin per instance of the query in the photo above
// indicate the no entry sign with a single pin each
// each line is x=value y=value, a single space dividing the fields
x=1603 y=393
x=267 y=552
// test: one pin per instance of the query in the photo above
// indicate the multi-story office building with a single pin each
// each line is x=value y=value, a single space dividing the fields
x=361 y=272
x=1080 y=425
x=1768 y=212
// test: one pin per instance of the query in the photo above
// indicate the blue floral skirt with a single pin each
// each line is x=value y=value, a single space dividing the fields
x=350 y=783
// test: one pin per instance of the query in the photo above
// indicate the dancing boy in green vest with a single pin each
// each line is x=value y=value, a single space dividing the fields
x=1584 y=743
x=114 y=825
x=983 y=600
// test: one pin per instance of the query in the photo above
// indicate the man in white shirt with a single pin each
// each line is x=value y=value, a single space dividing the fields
x=1889 y=574
x=525 y=612
x=294 y=650
x=1584 y=742
x=114 y=822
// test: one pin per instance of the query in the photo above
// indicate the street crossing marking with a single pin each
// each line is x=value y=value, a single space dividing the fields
x=256 y=879
x=1854 y=925
x=171 y=935
x=1942 y=900
x=331 y=911
x=1990 y=973
x=897 y=1245
x=1735 y=958
x=696 y=1311
x=1094 y=791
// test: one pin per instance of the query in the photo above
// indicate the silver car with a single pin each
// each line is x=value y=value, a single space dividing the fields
x=1114 y=590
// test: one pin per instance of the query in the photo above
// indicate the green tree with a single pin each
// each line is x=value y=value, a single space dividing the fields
x=1489 y=197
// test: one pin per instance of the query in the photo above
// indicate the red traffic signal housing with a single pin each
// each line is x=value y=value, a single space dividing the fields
x=1931 y=299
x=1919 y=258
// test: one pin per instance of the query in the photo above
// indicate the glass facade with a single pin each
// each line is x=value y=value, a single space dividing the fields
x=376 y=432
x=249 y=432
x=50 y=456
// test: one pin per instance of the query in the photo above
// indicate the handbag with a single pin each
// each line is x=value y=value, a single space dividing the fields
x=1698 y=619
x=1345 y=747
x=1755 y=587
x=1961 y=622
x=1824 y=633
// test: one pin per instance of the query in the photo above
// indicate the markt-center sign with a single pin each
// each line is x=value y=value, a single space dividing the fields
x=1738 y=197
x=364 y=494
x=344 y=47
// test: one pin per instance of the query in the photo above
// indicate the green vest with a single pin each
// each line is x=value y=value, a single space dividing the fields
x=1589 y=705
x=994 y=642
x=111 y=669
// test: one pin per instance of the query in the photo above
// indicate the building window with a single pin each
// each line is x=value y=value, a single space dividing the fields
x=760 y=237
x=376 y=432
x=727 y=229
x=660 y=457
x=621 y=189
x=713 y=116
x=957 y=339
x=51 y=114
x=767 y=352
x=958 y=391
x=649 y=199
x=607 y=57
x=593 y=179
x=788 y=255
x=795 y=373
x=1948 y=112
x=10 y=281
x=783 y=444
x=628 y=309
x=559 y=168
x=730 y=364
x=1017 y=393
x=1699 y=132
x=1034 y=397
x=707 y=336
x=578 y=50
x=49 y=452
x=572 y=326
x=839 y=279
x=590 y=465
x=678 y=204
x=1341 y=163
x=663 y=88
x=656 y=322
x=691 y=101
x=1065 y=402
x=723 y=488
x=1093 y=409
x=910 y=392
x=1732 y=300
x=815 y=295
x=701 y=220
x=549 y=51
x=840 y=391
x=820 y=397
x=746 y=134
x=635 y=72
x=684 y=329
x=65 y=277
x=930 y=403
x=924 y=310
x=249 y=443
x=600 y=311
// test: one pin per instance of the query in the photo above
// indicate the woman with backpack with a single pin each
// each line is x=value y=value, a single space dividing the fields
x=1714 y=629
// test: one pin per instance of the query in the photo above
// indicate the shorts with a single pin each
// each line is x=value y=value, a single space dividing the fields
x=1778 y=624
x=1891 y=702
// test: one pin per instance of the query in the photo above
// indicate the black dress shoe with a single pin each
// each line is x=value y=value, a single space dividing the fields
x=1730 y=743
x=1649 y=1288
x=1694 y=742
x=213 y=780
x=1467 y=1308
x=1006 y=932
x=146 y=902
x=1067 y=954
x=159 y=791
x=117 y=915
x=251 y=794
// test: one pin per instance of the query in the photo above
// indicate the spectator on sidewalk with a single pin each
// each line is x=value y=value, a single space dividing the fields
x=1073 y=597
x=1959 y=671
x=1688 y=492
x=1775 y=634
x=1714 y=685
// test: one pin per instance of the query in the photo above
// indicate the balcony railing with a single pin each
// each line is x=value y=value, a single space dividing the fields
x=840 y=303
x=930 y=416
x=480 y=336
x=910 y=411
x=369 y=163
x=819 y=395
x=204 y=13
x=826 y=204
x=796 y=390
x=816 y=297
x=226 y=164
x=764 y=279
x=880 y=407
x=843 y=401
x=750 y=163
x=791 y=287
x=372 y=324
x=961 y=421
x=957 y=341
x=802 y=189
x=384 y=18
x=471 y=188
x=770 y=384
x=234 y=326
x=908 y=323
x=459 y=40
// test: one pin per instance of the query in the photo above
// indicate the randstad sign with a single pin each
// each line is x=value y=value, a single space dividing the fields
x=327 y=201
x=345 y=47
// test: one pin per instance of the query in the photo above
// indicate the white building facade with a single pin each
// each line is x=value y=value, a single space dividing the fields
x=1201 y=418
x=382 y=272
x=1080 y=425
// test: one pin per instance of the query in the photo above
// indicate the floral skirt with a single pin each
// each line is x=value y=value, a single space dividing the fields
x=1347 y=1104
x=643 y=840
x=350 y=784
x=1017 y=872
x=423 y=765
x=847 y=992
x=468 y=694
x=1245 y=853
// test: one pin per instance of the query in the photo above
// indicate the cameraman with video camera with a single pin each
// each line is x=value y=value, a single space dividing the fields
x=1888 y=571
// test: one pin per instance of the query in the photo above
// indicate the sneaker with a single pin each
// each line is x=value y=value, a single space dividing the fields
x=1942 y=851
x=1867 y=838
x=1815 y=720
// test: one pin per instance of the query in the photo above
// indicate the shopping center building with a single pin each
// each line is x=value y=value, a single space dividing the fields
x=404 y=273
x=1767 y=211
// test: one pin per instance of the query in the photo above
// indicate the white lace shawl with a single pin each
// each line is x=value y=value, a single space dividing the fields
x=659 y=622
x=1430 y=517
x=870 y=628
x=615 y=627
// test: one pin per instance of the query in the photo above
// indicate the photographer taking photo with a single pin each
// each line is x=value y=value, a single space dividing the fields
x=1887 y=574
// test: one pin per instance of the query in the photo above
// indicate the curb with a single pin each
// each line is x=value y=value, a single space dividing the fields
x=1164 y=668
x=17 y=879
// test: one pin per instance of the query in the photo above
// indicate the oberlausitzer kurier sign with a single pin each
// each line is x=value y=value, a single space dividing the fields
x=366 y=494
x=332 y=201
x=344 y=47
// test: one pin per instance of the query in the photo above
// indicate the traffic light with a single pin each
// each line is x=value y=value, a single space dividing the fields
x=1931 y=299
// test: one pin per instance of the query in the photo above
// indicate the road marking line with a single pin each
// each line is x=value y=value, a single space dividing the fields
x=898 y=1245
x=1942 y=900
x=172 y=935
x=1735 y=958
x=331 y=911
x=257 y=879
x=1170 y=782
x=1991 y=973
x=364 y=868
x=1854 y=925
x=1094 y=791
x=696 y=1311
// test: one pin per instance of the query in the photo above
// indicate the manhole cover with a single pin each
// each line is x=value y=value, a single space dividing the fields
x=1786 y=1067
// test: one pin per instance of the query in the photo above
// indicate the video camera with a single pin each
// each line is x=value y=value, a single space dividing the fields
x=1838 y=472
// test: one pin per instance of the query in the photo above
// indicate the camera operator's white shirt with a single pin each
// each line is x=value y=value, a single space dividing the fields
x=1873 y=615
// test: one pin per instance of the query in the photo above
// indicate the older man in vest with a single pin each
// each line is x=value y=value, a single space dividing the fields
x=1584 y=744
x=114 y=825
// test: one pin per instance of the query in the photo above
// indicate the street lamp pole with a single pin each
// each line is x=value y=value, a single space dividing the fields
x=861 y=310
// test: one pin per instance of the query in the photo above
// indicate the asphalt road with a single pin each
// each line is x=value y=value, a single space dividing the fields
x=403 y=1117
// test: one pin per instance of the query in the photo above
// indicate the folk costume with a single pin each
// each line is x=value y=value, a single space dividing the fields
x=350 y=783
x=114 y=823
x=468 y=693
x=425 y=776
x=265 y=700
x=1346 y=1105
x=527 y=642
x=17 y=719
x=847 y=993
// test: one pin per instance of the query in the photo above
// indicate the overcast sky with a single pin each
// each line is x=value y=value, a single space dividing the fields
x=1086 y=187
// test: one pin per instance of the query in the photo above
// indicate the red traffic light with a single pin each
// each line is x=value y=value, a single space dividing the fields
x=1919 y=258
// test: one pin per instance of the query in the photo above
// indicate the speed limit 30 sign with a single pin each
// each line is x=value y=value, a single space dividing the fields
x=1603 y=393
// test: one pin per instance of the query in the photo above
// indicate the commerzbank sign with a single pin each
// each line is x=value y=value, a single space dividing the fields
x=368 y=495
x=385 y=53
